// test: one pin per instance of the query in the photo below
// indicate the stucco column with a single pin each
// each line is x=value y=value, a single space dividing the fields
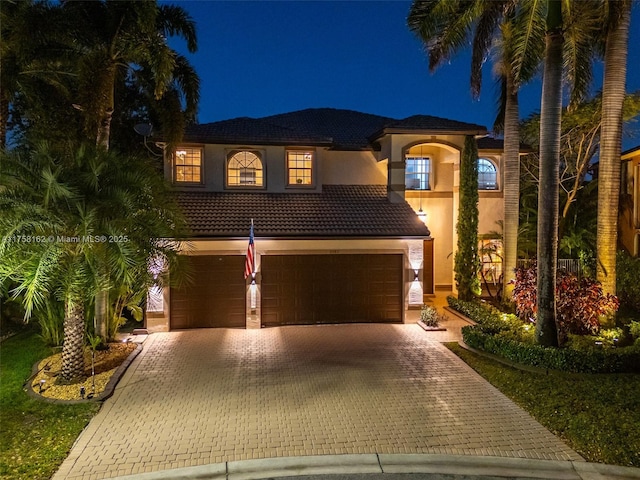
x=395 y=185
x=253 y=299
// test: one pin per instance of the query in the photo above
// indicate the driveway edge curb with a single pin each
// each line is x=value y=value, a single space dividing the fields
x=270 y=468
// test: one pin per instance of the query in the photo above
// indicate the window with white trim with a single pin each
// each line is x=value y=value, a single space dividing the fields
x=299 y=168
x=244 y=169
x=417 y=172
x=487 y=175
x=187 y=165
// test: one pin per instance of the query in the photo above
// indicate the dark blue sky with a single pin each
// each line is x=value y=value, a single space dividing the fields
x=258 y=58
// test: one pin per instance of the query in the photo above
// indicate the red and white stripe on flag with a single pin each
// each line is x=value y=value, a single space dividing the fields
x=249 y=262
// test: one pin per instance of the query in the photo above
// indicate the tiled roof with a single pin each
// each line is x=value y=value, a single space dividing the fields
x=337 y=128
x=339 y=211
x=490 y=143
x=251 y=131
x=428 y=122
x=348 y=128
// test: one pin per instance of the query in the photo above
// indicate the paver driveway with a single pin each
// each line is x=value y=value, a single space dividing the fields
x=208 y=396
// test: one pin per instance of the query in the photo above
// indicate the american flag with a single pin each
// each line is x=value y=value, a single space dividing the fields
x=250 y=260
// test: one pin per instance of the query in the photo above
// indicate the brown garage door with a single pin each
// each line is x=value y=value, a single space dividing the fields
x=310 y=289
x=215 y=298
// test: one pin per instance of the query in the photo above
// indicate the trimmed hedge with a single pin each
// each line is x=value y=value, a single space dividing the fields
x=489 y=337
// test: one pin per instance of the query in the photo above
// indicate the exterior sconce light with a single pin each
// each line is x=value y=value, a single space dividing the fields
x=422 y=215
x=416 y=275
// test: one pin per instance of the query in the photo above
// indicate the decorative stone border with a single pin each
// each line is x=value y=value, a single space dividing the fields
x=106 y=393
x=430 y=329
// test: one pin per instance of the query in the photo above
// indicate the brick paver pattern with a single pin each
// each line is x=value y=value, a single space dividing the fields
x=215 y=395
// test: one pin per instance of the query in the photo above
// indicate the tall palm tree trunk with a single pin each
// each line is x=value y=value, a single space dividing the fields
x=511 y=187
x=548 y=201
x=613 y=90
x=73 y=346
x=106 y=103
x=105 y=113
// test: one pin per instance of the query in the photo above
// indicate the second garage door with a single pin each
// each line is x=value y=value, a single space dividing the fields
x=215 y=298
x=312 y=289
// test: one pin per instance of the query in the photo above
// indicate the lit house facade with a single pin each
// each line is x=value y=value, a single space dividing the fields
x=354 y=217
x=629 y=222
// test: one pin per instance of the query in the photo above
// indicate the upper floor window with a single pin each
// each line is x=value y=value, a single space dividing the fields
x=299 y=168
x=417 y=172
x=245 y=169
x=487 y=175
x=187 y=165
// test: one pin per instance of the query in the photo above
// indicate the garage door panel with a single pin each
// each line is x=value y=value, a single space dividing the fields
x=307 y=289
x=215 y=298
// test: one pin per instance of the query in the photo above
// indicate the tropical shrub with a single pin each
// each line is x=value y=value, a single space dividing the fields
x=591 y=360
x=634 y=331
x=51 y=320
x=628 y=280
x=580 y=302
x=508 y=337
x=429 y=316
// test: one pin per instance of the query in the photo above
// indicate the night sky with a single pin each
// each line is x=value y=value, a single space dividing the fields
x=266 y=57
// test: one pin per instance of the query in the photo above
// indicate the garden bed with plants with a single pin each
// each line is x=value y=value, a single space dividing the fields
x=98 y=373
x=508 y=337
x=584 y=344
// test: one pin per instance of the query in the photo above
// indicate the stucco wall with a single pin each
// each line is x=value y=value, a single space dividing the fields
x=630 y=211
x=367 y=167
x=352 y=168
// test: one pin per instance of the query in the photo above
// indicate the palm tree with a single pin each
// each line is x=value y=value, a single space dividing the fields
x=613 y=94
x=445 y=27
x=548 y=191
x=30 y=65
x=62 y=214
x=115 y=45
x=82 y=64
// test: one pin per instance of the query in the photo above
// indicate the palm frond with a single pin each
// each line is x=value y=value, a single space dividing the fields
x=174 y=20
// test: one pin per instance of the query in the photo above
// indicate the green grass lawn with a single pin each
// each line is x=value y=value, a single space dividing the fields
x=35 y=436
x=598 y=415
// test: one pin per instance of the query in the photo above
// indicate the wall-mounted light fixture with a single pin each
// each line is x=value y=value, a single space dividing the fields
x=416 y=275
x=422 y=215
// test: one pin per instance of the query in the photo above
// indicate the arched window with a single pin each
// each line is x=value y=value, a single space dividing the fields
x=487 y=175
x=245 y=169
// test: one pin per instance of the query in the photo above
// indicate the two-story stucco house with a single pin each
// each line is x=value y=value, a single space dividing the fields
x=354 y=216
x=629 y=222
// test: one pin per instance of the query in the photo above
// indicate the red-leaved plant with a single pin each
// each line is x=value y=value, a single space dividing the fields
x=580 y=303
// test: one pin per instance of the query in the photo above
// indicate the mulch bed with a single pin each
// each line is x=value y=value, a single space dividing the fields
x=106 y=363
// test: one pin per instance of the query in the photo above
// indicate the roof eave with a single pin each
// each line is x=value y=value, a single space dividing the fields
x=307 y=237
x=254 y=142
x=421 y=131
x=629 y=154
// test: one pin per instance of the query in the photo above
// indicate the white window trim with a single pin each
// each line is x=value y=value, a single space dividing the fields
x=174 y=165
x=408 y=156
x=229 y=154
x=497 y=169
x=313 y=168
